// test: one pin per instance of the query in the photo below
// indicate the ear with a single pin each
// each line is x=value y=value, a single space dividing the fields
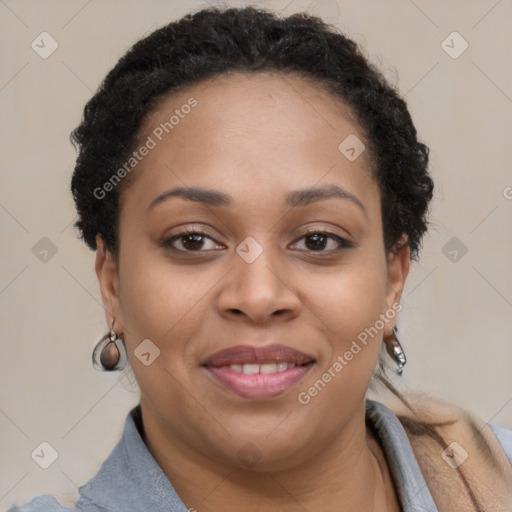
x=108 y=278
x=398 y=268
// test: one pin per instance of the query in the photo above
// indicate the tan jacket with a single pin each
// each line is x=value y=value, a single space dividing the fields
x=465 y=468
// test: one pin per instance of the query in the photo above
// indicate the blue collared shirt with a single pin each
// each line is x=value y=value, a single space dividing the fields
x=130 y=480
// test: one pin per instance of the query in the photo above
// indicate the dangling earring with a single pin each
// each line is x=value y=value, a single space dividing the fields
x=396 y=352
x=109 y=353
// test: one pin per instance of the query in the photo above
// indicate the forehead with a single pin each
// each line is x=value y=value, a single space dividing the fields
x=245 y=130
x=245 y=104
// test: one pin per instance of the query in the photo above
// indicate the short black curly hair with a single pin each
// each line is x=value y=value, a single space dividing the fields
x=215 y=41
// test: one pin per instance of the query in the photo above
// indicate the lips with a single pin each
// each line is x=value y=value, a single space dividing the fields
x=258 y=372
x=244 y=354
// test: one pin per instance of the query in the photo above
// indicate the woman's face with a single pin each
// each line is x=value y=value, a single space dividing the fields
x=256 y=323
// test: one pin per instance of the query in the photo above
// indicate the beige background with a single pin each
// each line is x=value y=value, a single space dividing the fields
x=457 y=319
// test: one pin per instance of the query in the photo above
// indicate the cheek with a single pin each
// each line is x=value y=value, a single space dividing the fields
x=350 y=307
x=351 y=300
x=164 y=307
x=162 y=303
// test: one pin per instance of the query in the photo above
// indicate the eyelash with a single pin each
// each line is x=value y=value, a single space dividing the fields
x=342 y=242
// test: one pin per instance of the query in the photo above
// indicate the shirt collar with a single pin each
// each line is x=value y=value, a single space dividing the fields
x=411 y=487
x=131 y=480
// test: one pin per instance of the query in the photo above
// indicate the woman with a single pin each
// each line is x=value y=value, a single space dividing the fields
x=255 y=191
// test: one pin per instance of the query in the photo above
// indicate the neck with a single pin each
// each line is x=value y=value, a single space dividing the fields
x=349 y=474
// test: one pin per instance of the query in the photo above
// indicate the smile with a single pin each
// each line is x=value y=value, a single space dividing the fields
x=267 y=368
x=258 y=372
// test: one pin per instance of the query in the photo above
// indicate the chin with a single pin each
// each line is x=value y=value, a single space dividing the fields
x=263 y=453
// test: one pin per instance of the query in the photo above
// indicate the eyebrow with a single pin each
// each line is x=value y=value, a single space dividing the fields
x=295 y=198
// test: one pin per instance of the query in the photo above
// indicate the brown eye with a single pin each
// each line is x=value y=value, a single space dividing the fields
x=192 y=241
x=321 y=241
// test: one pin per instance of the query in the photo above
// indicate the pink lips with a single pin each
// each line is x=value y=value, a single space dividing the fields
x=258 y=372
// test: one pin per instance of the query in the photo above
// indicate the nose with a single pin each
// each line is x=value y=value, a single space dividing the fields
x=258 y=292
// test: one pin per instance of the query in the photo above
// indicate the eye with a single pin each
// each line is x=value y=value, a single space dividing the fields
x=323 y=241
x=192 y=241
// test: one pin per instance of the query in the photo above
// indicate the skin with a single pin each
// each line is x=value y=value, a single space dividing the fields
x=256 y=138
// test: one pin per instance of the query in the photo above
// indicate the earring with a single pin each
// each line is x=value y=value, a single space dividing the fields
x=395 y=351
x=109 y=353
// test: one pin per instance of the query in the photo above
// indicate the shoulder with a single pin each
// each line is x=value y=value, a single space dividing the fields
x=97 y=488
x=457 y=451
x=44 y=503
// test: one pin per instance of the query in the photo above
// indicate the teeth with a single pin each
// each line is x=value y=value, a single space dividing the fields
x=266 y=368
x=283 y=366
x=251 y=369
